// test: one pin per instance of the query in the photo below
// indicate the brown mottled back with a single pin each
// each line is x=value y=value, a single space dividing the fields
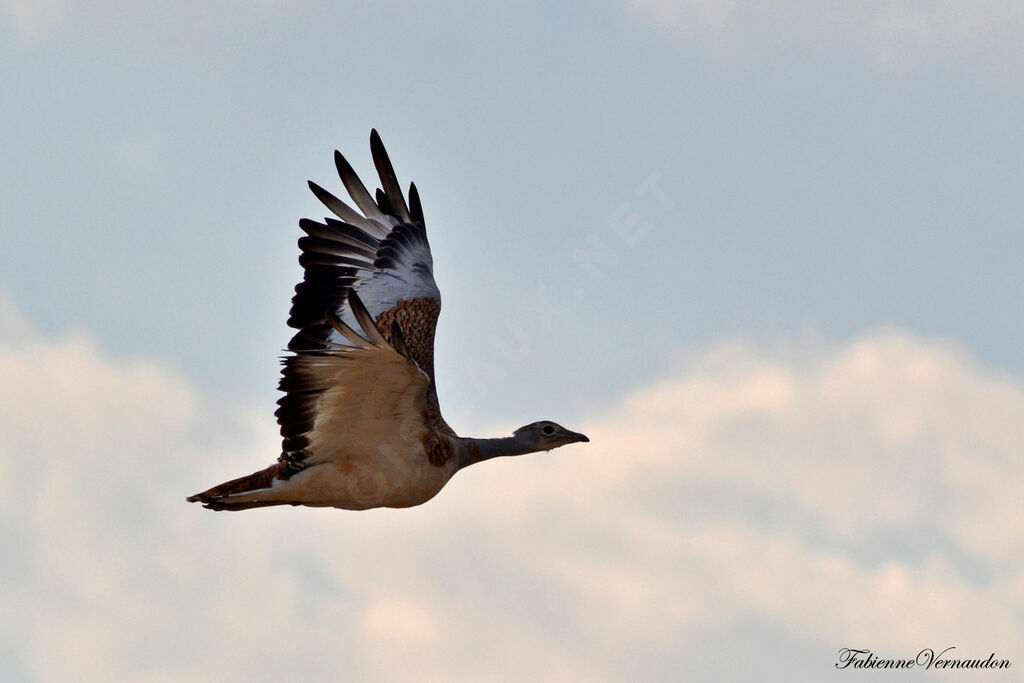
x=418 y=320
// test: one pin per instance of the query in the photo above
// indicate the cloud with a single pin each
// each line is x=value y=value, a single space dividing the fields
x=748 y=503
x=892 y=32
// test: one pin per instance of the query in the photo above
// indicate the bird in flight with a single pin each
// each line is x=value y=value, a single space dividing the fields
x=360 y=422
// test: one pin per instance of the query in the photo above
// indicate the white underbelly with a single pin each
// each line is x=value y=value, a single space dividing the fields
x=359 y=484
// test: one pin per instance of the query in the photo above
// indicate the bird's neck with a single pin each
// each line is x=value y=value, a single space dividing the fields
x=470 y=451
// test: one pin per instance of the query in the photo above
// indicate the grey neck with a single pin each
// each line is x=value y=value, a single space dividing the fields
x=470 y=451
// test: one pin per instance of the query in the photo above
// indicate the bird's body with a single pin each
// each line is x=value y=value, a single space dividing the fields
x=360 y=422
x=353 y=482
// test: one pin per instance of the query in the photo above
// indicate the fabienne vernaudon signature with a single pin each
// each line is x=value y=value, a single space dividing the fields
x=851 y=658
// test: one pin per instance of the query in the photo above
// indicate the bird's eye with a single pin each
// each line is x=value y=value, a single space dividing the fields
x=548 y=430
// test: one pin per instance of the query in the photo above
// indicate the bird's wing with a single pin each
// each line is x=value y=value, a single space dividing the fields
x=358 y=398
x=378 y=248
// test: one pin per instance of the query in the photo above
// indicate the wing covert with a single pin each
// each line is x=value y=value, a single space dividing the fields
x=348 y=398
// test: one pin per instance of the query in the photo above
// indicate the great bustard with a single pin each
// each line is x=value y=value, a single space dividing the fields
x=360 y=422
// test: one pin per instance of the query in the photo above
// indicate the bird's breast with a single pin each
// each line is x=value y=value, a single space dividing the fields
x=380 y=479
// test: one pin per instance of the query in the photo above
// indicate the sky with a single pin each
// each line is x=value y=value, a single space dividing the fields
x=765 y=254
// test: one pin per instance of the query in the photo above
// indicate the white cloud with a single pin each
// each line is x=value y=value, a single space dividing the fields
x=859 y=496
x=892 y=31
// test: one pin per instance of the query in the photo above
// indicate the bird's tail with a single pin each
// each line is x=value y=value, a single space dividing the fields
x=251 y=491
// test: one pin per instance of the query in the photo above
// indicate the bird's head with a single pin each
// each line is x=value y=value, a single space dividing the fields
x=545 y=435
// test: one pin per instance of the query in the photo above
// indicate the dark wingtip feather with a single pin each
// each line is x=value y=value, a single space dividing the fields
x=325 y=197
x=386 y=171
x=345 y=170
x=335 y=205
x=356 y=190
x=377 y=147
x=317 y=190
x=384 y=203
x=415 y=208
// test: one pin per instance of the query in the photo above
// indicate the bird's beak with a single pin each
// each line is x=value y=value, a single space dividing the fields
x=578 y=438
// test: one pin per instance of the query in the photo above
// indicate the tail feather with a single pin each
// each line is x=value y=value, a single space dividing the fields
x=243 y=493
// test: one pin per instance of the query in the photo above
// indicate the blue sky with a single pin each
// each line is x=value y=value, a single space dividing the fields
x=789 y=205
